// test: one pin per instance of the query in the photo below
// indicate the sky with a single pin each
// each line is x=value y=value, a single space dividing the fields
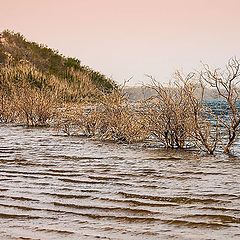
x=131 y=38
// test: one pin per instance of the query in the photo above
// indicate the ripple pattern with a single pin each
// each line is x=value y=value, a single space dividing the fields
x=57 y=187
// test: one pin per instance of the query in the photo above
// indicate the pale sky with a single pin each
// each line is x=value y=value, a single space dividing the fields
x=124 y=38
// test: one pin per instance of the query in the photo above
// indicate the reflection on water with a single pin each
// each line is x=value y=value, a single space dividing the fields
x=56 y=187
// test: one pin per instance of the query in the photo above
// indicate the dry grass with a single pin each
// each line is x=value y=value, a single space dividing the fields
x=79 y=87
x=25 y=96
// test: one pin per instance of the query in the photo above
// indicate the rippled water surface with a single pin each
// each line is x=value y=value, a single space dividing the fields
x=57 y=187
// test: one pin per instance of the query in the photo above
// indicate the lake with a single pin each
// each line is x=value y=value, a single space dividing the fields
x=58 y=187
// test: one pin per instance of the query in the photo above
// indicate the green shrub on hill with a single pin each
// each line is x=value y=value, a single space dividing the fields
x=14 y=49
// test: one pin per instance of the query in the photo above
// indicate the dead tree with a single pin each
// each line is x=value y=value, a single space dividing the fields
x=227 y=85
x=204 y=125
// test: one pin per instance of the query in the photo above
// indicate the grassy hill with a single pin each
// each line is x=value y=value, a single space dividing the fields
x=73 y=80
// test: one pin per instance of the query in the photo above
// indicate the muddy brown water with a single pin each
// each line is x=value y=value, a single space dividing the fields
x=57 y=187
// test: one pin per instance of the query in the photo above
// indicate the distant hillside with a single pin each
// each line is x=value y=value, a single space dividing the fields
x=138 y=93
x=68 y=72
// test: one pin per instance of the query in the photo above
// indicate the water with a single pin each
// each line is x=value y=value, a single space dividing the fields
x=57 y=187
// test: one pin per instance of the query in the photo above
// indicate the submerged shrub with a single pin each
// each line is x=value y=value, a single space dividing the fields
x=7 y=108
x=227 y=85
x=167 y=114
x=120 y=120
x=77 y=120
x=204 y=127
x=112 y=118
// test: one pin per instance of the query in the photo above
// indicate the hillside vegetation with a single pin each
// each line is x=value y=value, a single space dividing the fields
x=73 y=80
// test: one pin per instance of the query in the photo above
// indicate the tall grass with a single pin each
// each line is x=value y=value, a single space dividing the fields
x=26 y=98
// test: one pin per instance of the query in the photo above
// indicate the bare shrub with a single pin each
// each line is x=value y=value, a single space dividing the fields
x=77 y=119
x=7 y=108
x=111 y=118
x=178 y=116
x=226 y=82
x=33 y=106
x=120 y=120
x=203 y=124
x=167 y=114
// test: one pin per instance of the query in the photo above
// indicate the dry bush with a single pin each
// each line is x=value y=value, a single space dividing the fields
x=7 y=108
x=111 y=118
x=178 y=116
x=227 y=84
x=77 y=119
x=204 y=128
x=120 y=120
x=33 y=106
x=167 y=114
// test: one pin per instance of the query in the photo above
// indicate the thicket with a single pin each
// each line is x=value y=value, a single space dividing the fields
x=177 y=115
x=111 y=118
